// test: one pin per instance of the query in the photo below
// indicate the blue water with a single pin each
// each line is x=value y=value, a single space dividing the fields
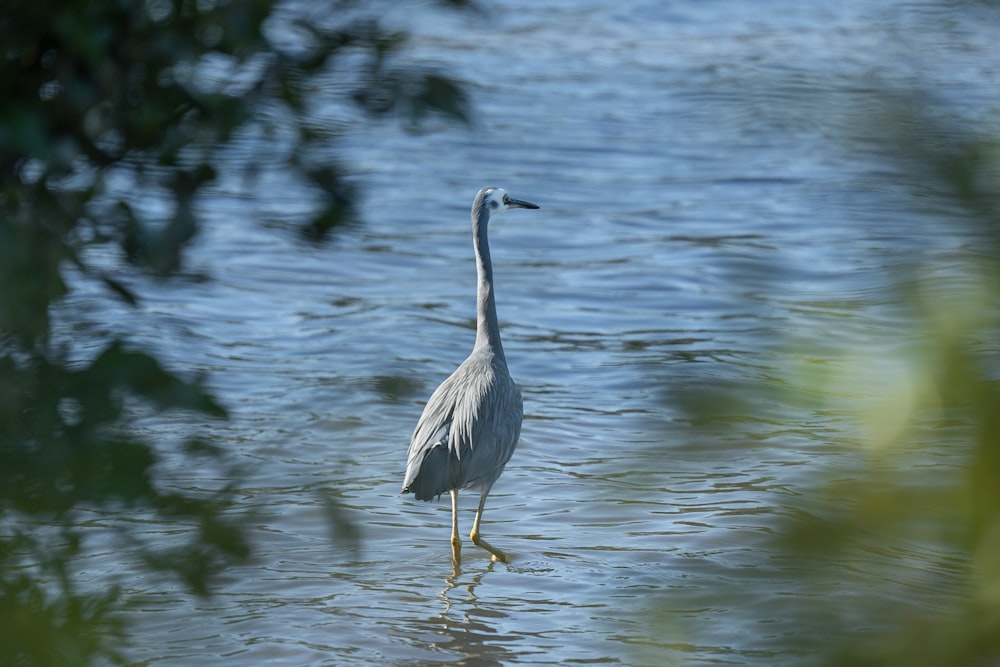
x=715 y=199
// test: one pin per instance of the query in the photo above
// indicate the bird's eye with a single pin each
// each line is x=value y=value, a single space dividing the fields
x=494 y=204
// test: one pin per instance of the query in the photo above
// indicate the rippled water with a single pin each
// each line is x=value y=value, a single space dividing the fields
x=708 y=201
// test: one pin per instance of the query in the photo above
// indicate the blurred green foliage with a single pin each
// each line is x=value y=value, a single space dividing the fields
x=147 y=93
x=911 y=504
x=945 y=397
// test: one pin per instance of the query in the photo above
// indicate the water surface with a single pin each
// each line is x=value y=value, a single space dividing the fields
x=711 y=199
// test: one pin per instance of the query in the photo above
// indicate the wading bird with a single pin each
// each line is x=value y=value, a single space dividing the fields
x=471 y=423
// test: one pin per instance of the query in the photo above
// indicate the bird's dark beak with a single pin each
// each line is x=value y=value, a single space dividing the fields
x=517 y=203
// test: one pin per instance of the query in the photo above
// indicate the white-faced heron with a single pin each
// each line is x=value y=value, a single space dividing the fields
x=470 y=425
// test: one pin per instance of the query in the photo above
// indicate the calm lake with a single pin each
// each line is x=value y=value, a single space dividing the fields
x=712 y=200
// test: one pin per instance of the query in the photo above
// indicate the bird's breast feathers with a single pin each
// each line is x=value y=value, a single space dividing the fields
x=471 y=407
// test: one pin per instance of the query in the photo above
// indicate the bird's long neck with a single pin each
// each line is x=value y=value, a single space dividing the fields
x=487 y=326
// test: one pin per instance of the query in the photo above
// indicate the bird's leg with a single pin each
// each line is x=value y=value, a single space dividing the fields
x=479 y=541
x=456 y=543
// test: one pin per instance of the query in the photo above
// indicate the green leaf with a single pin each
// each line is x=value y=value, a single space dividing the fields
x=143 y=376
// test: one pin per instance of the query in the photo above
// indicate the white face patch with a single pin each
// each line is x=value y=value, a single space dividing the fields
x=494 y=200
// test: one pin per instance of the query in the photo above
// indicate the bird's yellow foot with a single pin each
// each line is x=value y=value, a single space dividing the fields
x=497 y=555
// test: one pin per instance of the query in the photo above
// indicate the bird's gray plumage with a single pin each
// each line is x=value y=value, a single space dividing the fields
x=468 y=430
x=471 y=423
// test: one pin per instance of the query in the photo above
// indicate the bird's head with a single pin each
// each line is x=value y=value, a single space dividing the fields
x=495 y=200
